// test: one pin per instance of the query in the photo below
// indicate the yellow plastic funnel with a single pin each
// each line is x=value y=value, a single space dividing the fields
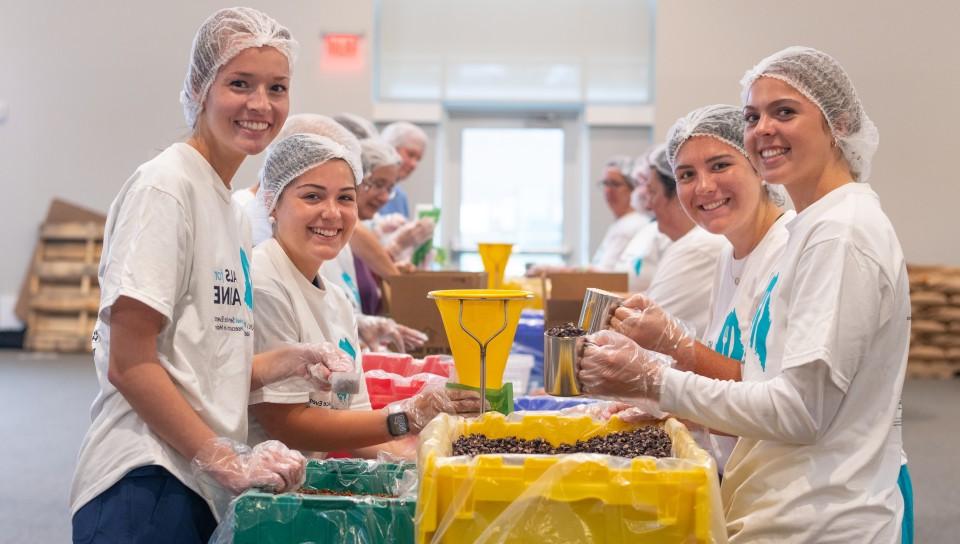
x=480 y=326
x=495 y=257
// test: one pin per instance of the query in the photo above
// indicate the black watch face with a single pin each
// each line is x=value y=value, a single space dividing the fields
x=398 y=424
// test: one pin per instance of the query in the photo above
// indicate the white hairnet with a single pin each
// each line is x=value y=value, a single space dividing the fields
x=639 y=169
x=375 y=152
x=623 y=165
x=289 y=158
x=658 y=160
x=358 y=126
x=220 y=38
x=719 y=121
x=321 y=125
x=405 y=134
x=821 y=79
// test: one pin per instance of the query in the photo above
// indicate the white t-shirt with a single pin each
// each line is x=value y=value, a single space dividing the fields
x=738 y=287
x=684 y=277
x=175 y=242
x=256 y=212
x=342 y=272
x=817 y=412
x=641 y=256
x=290 y=309
x=617 y=237
x=242 y=196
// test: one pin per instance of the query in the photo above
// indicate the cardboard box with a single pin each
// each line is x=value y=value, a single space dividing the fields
x=565 y=290
x=407 y=302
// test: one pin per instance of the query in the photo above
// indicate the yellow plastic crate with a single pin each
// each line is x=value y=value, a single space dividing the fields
x=563 y=498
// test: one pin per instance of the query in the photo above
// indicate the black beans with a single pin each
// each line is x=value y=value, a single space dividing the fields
x=567 y=330
x=650 y=441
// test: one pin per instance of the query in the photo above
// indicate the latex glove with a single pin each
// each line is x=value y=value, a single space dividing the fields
x=640 y=319
x=269 y=466
x=311 y=362
x=376 y=332
x=433 y=400
x=410 y=236
x=405 y=267
x=614 y=366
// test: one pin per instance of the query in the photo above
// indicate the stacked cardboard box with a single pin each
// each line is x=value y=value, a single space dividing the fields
x=935 y=324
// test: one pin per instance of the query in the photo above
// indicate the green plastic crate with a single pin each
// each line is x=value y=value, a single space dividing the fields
x=264 y=518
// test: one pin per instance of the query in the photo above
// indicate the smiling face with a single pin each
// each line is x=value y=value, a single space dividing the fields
x=247 y=103
x=718 y=187
x=787 y=136
x=375 y=190
x=316 y=214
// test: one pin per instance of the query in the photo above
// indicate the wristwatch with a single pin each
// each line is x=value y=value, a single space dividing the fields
x=398 y=424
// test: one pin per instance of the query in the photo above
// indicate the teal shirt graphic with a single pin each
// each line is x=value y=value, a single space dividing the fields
x=247 y=285
x=637 y=265
x=347 y=348
x=729 y=343
x=353 y=287
x=760 y=327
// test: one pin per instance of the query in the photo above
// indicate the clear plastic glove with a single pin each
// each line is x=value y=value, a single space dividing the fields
x=311 y=362
x=628 y=412
x=410 y=236
x=377 y=332
x=614 y=366
x=433 y=400
x=389 y=223
x=269 y=466
x=640 y=319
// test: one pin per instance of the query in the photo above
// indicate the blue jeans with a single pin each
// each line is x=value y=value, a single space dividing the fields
x=906 y=489
x=147 y=505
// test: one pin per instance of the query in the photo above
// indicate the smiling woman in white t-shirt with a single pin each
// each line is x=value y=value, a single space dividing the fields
x=173 y=343
x=818 y=412
x=309 y=188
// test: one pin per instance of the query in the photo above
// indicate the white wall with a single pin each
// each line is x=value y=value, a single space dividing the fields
x=902 y=57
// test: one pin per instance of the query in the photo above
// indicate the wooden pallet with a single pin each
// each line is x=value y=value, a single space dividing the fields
x=64 y=295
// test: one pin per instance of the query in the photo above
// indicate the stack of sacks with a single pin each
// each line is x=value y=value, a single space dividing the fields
x=935 y=325
x=397 y=376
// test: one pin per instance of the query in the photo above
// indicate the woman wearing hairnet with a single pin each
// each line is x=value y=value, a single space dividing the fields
x=309 y=187
x=173 y=341
x=641 y=256
x=818 y=412
x=684 y=274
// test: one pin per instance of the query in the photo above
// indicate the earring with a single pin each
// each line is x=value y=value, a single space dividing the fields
x=272 y=220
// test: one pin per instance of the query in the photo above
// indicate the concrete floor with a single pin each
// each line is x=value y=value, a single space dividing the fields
x=44 y=412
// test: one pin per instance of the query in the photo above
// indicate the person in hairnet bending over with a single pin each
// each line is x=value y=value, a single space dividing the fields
x=173 y=343
x=309 y=187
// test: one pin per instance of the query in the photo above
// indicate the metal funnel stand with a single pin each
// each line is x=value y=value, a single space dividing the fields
x=483 y=349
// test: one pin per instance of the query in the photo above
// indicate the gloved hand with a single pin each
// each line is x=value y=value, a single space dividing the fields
x=386 y=224
x=269 y=466
x=640 y=319
x=614 y=366
x=376 y=332
x=604 y=410
x=311 y=362
x=433 y=400
x=410 y=236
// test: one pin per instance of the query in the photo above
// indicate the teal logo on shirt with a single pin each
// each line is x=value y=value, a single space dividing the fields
x=729 y=343
x=347 y=348
x=247 y=285
x=760 y=327
x=353 y=287
x=637 y=265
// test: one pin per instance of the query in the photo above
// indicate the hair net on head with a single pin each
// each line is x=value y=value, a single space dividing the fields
x=403 y=133
x=289 y=158
x=658 y=161
x=821 y=79
x=220 y=38
x=358 y=126
x=376 y=153
x=719 y=121
x=624 y=165
x=321 y=125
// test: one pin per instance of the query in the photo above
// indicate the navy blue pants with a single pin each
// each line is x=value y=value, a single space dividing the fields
x=148 y=505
